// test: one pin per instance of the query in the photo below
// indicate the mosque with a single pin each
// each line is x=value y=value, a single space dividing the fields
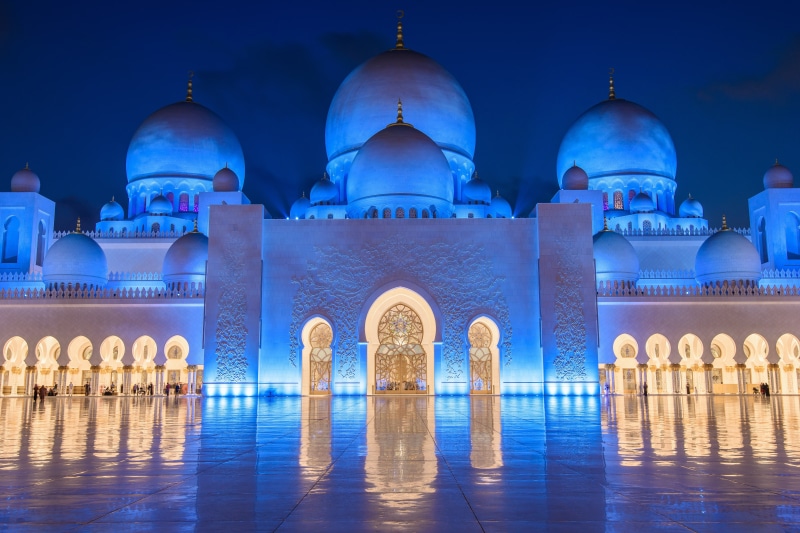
x=390 y=276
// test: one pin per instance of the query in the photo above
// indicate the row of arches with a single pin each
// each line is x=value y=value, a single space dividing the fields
x=101 y=366
x=690 y=365
x=400 y=212
x=400 y=329
x=662 y=200
x=10 y=242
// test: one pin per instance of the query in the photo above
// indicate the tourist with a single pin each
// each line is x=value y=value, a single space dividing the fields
x=35 y=392
x=166 y=389
x=69 y=389
x=87 y=389
x=42 y=392
x=177 y=388
x=150 y=388
x=644 y=389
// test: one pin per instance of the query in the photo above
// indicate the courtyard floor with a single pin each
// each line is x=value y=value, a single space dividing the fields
x=663 y=463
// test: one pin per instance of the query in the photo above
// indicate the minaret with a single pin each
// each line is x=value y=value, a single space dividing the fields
x=399 y=42
x=611 y=94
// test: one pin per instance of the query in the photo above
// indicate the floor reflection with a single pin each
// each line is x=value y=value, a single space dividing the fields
x=483 y=463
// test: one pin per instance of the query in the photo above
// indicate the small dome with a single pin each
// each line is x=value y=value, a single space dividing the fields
x=112 y=211
x=778 y=177
x=690 y=208
x=299 y=208
x=75 y=259
x=476 y=191
x=614 y=257
x=575 y=179
x=25 y=180
x=324 y=192
x=225 y=180
x=185 y=261
x=400 y=167
x=727 y=256
x=642 y=203
x=160 y=205
x=500 y=207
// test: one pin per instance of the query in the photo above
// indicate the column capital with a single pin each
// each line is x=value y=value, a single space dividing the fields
x=95 y=368
x=127 y=367
x=708 y=366
x=741 y=365
x=192 y=368
x=63 y=368
x=773 y=366
x=160 y=367
x=642 y=366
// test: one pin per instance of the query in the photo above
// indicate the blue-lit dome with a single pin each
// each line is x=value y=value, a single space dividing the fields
x=25 y=180
x=75 y=259
x=225 y=180
x=690 y=208
x=324 y=192
x=183 y=141
x=575 y=179
x=400 y=167
x=618 y=138
x=436 y=102
x=727 y=256
x=642 y=203
x=112 y=211
x=615 y=258
x=160 y=205
x=500 y=207
x=778 y=177
x=476 y=191
x=299 y=208
x=185 y=261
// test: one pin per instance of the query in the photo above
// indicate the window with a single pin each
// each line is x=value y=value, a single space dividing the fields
x=183 y=203
x=11 y=240
x=618 y=200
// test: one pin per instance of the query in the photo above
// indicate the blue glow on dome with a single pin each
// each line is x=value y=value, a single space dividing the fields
x=184 y=140
x=618 y=138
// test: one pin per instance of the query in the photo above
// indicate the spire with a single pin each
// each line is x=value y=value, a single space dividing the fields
x=325 y=176
x=611 y=94
x=776 y=163
x=605 y=224
x=399 y=43
x=399 y=121
x=725 y=224
x=195 y=227
x=78 y=226
x=112 y=197
x=28 y=168
x=497 y=195
x=189 y=87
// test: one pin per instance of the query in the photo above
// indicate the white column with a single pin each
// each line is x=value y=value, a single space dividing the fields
x=126 y=380
x=95 y=382
x=159 y=386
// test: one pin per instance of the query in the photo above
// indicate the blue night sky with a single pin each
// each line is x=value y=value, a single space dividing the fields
x=78 y=78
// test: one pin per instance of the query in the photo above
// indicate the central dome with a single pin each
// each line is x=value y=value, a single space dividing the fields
x=400 y=167
x=618 y=138
x=440 y=107
x=183 y=141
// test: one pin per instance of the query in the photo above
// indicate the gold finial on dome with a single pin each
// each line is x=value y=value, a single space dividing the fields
x=28 y=168
x=605 y=224
x=195 y=227
x=611 y=94
x=78 y=226
x=399 y=43
x=112 y=197
x=304 y=194
x=189 y=87
x=776 y=162
x=497 y=195
x=399 y=121
x=725 y=224
x=690 y=196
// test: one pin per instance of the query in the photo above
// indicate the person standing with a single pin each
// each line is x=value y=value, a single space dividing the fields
x=69 y=389
x=644 y=389
x=35 y=392
x=42 y=392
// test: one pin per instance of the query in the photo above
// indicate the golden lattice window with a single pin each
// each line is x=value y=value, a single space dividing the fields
x=400 y=325
x=320 y=358
x=480 y=336
x=480 y=358
x=400 y=361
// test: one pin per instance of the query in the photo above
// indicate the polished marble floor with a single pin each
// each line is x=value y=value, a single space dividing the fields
x=664 y=463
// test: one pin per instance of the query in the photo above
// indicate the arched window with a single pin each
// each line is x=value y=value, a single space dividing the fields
x=480 y=359
x=412 y=213
x=11 y=240
x=196 y=202
x=618 y=200
x=792 y=224
x=373 y=213
x=631 y=195
x=171 y=198
x=605 y=201
x=387 y=213
x=156 y=227
x=399 y=213
x=425 y=213
x=400 y=362
x=40 y=243
x=320 y=359
x=762 y=240
x=183 y=203
x=647 y=226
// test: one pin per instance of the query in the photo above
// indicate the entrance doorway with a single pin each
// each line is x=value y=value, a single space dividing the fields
x=400 y=361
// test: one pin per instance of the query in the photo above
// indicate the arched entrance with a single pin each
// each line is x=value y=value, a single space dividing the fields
x=317 y=358
x=400 y=328
x=484 y=360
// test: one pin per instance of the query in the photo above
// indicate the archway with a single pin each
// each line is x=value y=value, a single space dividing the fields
x=400 y=328
x=484 y=356
x=317 y=357
x=111 y=351
x=144 y=351
x=723 y=373
x=788 y=349
x=47 y=351
x=625 y=349
x=658 y=351
x=177 y=369
x=15 y=350
x=756 y=349
x=691 y=348
x=80 y=353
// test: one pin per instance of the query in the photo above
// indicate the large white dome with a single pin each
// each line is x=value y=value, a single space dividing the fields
x=615 y=258
x=183 y=141
x=185 y=261
x=618 y=138
x=400 y=167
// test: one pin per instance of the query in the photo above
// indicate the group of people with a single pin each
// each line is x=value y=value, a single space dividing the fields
x=142 y=390
x=763 y=389
x=41 y=392
x=177 y=388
